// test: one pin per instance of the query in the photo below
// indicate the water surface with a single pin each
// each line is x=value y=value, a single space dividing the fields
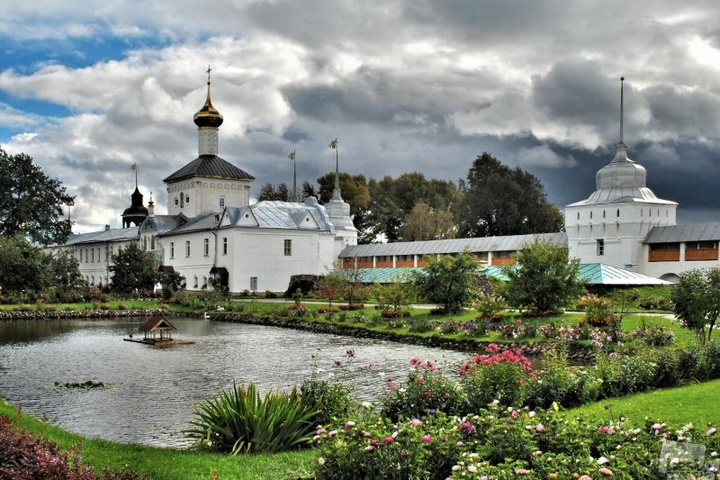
x=153 y=391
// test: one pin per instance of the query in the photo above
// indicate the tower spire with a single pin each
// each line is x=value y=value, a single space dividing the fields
x=622 y=91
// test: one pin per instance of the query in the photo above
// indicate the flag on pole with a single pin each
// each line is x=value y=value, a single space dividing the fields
x=292 y=155
x=334 y=144
x=133 y=166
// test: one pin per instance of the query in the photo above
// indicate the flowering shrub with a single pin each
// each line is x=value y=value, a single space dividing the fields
x=474 y=328
x=421 y=325
x=598 y=310
x=375 y=447
x=297 y=310
x=498 y=375
x=517 y=329
x=425 y=392
x=508 y=443
x=653 y=334
x=489 y=306
x=449 y=327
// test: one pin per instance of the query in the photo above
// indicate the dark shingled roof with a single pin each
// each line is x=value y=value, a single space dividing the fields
x=209 y=166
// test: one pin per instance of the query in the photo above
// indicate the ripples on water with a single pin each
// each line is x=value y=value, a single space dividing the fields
x=153 y=390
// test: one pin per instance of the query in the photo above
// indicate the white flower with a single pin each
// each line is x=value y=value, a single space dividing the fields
x=602 y=461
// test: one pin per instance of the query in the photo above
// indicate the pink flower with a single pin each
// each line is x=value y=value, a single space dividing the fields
x=585 y=477
x=606 y=471
x=320 y=431
x=522 y=471
x=711 y=432
x=369 y=448
x=415 y=422
x=388 y=440
x=427 y=439
x=374 y=441
x=428 y=393
x=348 y=425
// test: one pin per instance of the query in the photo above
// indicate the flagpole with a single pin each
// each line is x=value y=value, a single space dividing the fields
x=334 y=146
x=292 y=158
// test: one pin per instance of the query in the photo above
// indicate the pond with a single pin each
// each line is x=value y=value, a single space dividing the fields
x=149 y=393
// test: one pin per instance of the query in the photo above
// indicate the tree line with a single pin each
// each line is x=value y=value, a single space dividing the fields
x=493 y=200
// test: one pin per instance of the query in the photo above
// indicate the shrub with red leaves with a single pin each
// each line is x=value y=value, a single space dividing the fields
x=24 y=456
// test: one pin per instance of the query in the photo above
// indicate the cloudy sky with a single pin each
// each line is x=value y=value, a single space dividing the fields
x=405 y=85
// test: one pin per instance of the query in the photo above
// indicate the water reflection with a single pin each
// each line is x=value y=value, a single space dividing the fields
x=152 y=391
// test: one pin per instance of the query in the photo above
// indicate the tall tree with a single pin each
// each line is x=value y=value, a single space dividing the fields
x=31 y=203
x=65 y=270
x=543 y=278
x=269 y=191
x=426 y=223
x=133 y=269
x=499 y=200
x=23 y=266
x=392 y=200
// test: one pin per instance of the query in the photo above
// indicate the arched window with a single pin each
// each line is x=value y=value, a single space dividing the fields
x=195 y=281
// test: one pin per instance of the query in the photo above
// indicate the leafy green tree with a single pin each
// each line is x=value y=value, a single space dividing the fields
x=331 y=286
x=543 y=277
x=697 y=300
x=396 y=295
x=499 y=200
x=31 y=203
x=393 y=199
x=133 y=269
x=448 y=280
x=172 y=282
x=269 y=191
x=23 y=266
x=65 y=270
x=425 y=223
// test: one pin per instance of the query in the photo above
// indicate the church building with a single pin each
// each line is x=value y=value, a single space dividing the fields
x=212 y=230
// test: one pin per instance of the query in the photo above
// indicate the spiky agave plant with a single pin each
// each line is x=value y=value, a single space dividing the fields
x=240 y=420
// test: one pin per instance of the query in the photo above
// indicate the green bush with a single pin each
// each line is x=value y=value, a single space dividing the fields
x=498 y=376
x=421 y=324
x=331 y=402
x=654 y=334
x=555 y=381
x=500 y=443
x=489 y=306
x=241 y=421
x=425 y=391
x=371 y=446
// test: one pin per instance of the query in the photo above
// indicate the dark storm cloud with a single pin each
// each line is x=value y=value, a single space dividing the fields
x=412 y=85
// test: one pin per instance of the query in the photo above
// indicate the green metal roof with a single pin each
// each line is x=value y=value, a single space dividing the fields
x=595 y=273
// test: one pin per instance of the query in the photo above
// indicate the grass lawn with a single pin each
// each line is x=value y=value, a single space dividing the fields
x=167 y=463
x=696 y=403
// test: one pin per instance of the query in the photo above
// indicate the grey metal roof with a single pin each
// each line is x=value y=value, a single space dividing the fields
x=622 y=195
x=162 y=223
x=456 y=245
x=103 y=236
x=204 y=221
x=269 y=215
x=699 y=232
x=209 y=166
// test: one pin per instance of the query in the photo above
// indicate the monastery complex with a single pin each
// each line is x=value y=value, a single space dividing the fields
x=622 y=233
